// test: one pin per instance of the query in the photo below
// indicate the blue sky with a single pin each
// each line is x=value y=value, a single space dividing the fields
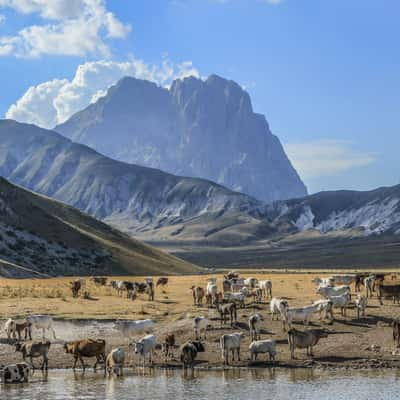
x=325 y=73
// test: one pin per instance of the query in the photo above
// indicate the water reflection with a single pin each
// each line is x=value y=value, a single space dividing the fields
x=255 y=384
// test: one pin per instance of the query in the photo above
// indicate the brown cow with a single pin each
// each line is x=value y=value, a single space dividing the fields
x=169 y=345
x=87 y=348
x=162 y=281
x=23 y=327
x=34 y=350
x=99 y=280
x=396 y=332
x=189 y=352
x=198 y=295
x=388 y=290
x=75 y=287
x=305 y=339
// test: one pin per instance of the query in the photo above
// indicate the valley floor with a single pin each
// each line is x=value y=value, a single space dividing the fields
x=351 y=343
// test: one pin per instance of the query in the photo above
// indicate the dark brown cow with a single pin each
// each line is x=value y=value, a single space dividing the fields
x=99 y=280
x=162 y=282
x=388 y=290
x=189 y=352
x=23 y=327
x=34 y=350
x=75 y=288
x=396 y=332
x=198 y=295
x=87 y=348
x=169 y=345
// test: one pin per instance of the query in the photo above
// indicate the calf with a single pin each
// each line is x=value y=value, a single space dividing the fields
x=15 y=373
x=361 y=304
x=200 y=324
x=304 y=340
x=145 y=346
x=189 y=351
x=115 y=362
x=262 y=347
x=227 y=310
x=87 y=348
x=169 y=345
x=396 y=332
x=328 y=291
x=198 y=295
x=230 y=342
x=254 y=322
x=35 y=350
x=43 y=322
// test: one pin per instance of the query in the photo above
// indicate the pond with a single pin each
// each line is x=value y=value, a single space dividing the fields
x=255 y=384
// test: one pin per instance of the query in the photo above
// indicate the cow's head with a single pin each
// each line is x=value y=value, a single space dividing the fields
x=69 y=348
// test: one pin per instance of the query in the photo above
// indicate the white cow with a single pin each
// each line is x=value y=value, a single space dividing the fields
x=238 y=298
x=328 y=291
x=251 y=282
x=9 y=328
x=43 y=322
x=303 y=314
x=200 y=324
x=254 y=326
x=361 y=303
x=212 y=290
x=115 y=362
x=278 y=307
x=323 y=281
x=266 y=287
x=145 y=346
x=131 y=328
x=262 y=347
x=341 y=302
x=230 y=342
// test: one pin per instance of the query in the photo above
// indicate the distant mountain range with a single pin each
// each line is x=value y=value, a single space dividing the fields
x=197 y=128
x=42 y=237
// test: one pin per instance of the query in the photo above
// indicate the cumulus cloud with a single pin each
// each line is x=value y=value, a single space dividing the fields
x=71 y=27
x=326 y=157
x=51 y=103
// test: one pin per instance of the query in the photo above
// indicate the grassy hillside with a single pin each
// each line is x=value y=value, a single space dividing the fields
x=49 y=237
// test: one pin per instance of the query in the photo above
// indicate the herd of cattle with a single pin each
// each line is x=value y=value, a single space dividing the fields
x=335 y=292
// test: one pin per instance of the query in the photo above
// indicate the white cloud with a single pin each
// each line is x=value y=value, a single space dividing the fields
x=326 y=157
x=75 y=28
x=2 y=19
x=52 y=102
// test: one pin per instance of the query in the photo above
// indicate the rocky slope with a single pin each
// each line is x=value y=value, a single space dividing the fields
x=196 y=128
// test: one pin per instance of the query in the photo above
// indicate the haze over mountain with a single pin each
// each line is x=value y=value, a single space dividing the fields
x=196 y=128
x=40 y=236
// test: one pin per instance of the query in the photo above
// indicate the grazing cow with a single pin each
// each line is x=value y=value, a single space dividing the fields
x=369 y=282
x=211 y=291
x=198 y=295
x=131 y=328
x=388 y=290
x=227 y=310
x=328 y=291
x=251 y=282
x=266 y=287
x=396 y=332
x=237 y=298
x=9 y=328
x=361 y=304
x=324 y=306
x=169 y=345
x=144 y=347
x=341 y=302
x=75 y=287
x=262 y=347
x=230 y=342
x=162 y=282
x=254 y=322
x=304 y=340
x=35 y=350
x=43 y=322
x=87 y=348
x=115 y=362
x=303 y=314
x=15 y=373
x=189 y=351
x=278 y=307
x=200 y=324
x=99 y=280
